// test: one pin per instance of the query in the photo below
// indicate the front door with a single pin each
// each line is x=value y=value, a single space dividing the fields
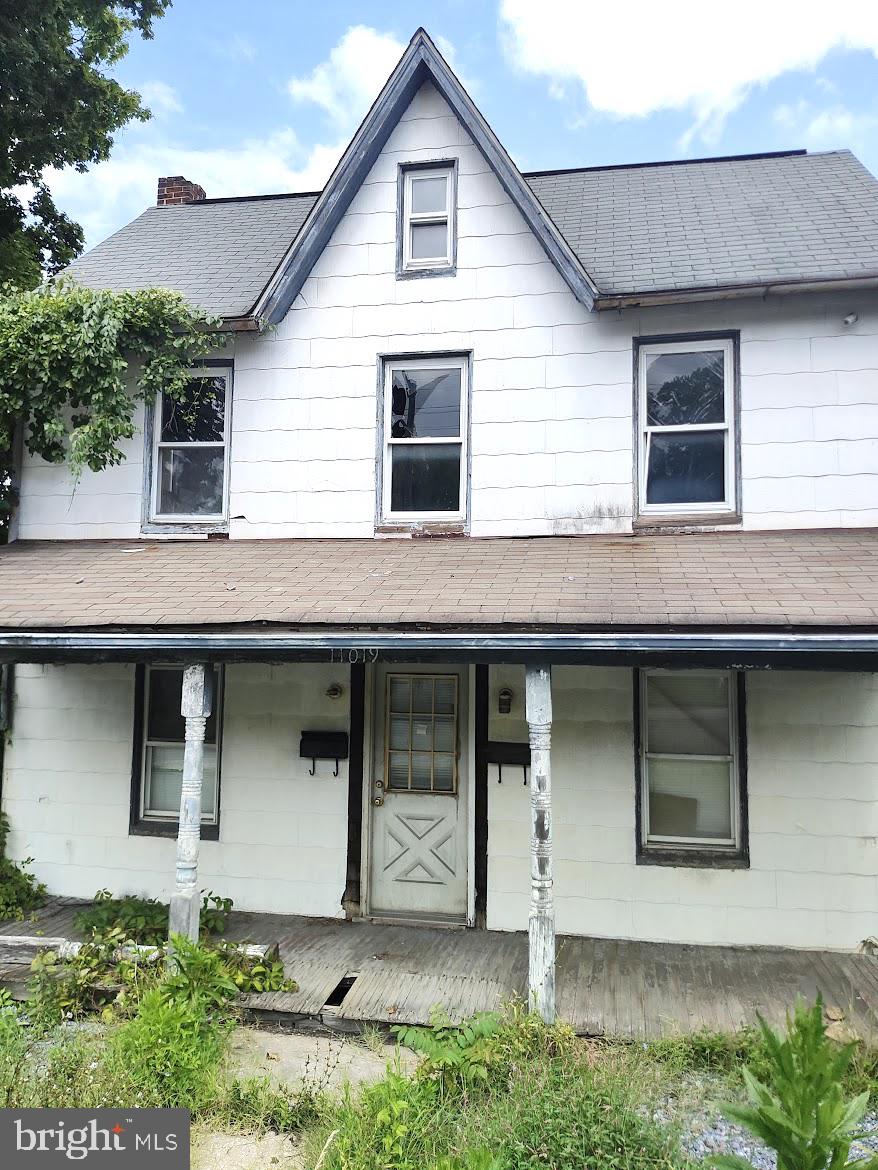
x=419 y=794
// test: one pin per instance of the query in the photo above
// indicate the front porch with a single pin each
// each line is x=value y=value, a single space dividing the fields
x=354 y=973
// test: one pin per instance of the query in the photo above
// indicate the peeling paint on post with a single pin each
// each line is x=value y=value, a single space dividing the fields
x=541 y=923
x=195 y=708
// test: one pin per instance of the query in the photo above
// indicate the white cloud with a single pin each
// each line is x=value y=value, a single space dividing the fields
x=160 y=97
x=114 y=192
x=832 y=127
x=344 y=86
x=349 y=80
x=679 y=55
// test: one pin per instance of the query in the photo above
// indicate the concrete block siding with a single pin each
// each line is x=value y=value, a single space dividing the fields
x=812 y=764
x=283 y=833
x=811 y=769
x=552 y=434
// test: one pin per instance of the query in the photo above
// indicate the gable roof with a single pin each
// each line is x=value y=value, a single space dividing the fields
x=421 y=62
x=673 y=231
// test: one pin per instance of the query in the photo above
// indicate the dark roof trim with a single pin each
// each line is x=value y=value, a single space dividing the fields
x=665 y=162
x=421 y=62
x=720 y=292
x=782 y=651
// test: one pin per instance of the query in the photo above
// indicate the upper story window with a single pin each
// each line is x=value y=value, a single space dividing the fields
x=688 y=433
x=427 y=221
x=691 y=765
x=191 y=451
x=425 y=425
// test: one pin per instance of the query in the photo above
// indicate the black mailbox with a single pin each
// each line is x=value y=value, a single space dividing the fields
x=323 y=745
x=502 y=752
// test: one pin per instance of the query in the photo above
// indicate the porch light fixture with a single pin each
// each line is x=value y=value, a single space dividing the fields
x=504 y=701
x=334 y=691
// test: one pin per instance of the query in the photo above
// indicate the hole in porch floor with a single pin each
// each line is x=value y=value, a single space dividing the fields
x=338 y=993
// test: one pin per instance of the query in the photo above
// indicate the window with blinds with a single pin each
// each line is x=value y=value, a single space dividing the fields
x=689 y=760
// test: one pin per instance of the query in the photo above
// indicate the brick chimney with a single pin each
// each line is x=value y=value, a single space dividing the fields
x=175 y=189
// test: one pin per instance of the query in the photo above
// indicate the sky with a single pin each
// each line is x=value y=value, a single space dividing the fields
x=263 y=96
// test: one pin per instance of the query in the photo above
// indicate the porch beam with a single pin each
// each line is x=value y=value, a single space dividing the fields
x=780 y=650
x=195 y=707
x=541 y=922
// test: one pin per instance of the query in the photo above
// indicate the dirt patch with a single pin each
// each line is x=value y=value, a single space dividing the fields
x=324 y=1063
x=242 y=1151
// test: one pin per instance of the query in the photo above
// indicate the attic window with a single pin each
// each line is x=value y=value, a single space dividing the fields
x=427 y=226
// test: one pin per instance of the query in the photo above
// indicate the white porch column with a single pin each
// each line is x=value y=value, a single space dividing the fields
x=541 y=923
x=195 y=708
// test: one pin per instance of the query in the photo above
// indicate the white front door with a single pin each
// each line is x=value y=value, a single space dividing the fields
x=419 y=783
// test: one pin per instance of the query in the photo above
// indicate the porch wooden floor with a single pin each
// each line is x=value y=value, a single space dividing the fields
x=604 y=986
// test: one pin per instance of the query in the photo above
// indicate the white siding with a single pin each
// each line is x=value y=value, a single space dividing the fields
x=283 y=833
x=552 y=436
x=811 y=775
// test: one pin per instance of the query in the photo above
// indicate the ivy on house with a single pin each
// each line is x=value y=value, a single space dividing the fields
x=75 y=362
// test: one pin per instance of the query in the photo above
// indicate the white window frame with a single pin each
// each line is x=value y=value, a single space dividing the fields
x=158 y=446
x=165 y=818
x=427 y=362
x=650 y=841
x=409 y=217
x=728 y=427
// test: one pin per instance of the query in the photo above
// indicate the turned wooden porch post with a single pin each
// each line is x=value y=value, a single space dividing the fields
x=195 y=708
x=541 y=923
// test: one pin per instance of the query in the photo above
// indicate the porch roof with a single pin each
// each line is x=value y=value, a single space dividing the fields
x=697 y=581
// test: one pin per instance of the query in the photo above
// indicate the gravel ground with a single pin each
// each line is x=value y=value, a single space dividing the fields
x=704 y=1131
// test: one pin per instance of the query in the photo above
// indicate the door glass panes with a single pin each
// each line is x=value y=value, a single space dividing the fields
x=421 y=733
x=689 y=756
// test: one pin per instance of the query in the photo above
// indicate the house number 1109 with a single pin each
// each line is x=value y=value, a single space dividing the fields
x=354 y=654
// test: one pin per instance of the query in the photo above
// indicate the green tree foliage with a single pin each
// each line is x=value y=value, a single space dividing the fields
x=74 y=362
x=58 y=108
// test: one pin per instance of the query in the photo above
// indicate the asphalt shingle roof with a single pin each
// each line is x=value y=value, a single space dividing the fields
x=719 y=579
x=219 y=254
x=728 y=221
x=669 y=226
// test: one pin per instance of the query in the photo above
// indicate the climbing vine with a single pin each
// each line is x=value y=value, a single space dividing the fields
x=74 y=363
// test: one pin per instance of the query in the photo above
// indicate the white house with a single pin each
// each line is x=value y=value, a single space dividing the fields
x=615 y=425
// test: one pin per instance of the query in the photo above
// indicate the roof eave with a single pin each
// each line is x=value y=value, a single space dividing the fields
x=725 y=292
x=420 y=62
x=730 y=648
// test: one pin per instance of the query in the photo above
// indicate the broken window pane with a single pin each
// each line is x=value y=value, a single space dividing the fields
x=426 y=404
